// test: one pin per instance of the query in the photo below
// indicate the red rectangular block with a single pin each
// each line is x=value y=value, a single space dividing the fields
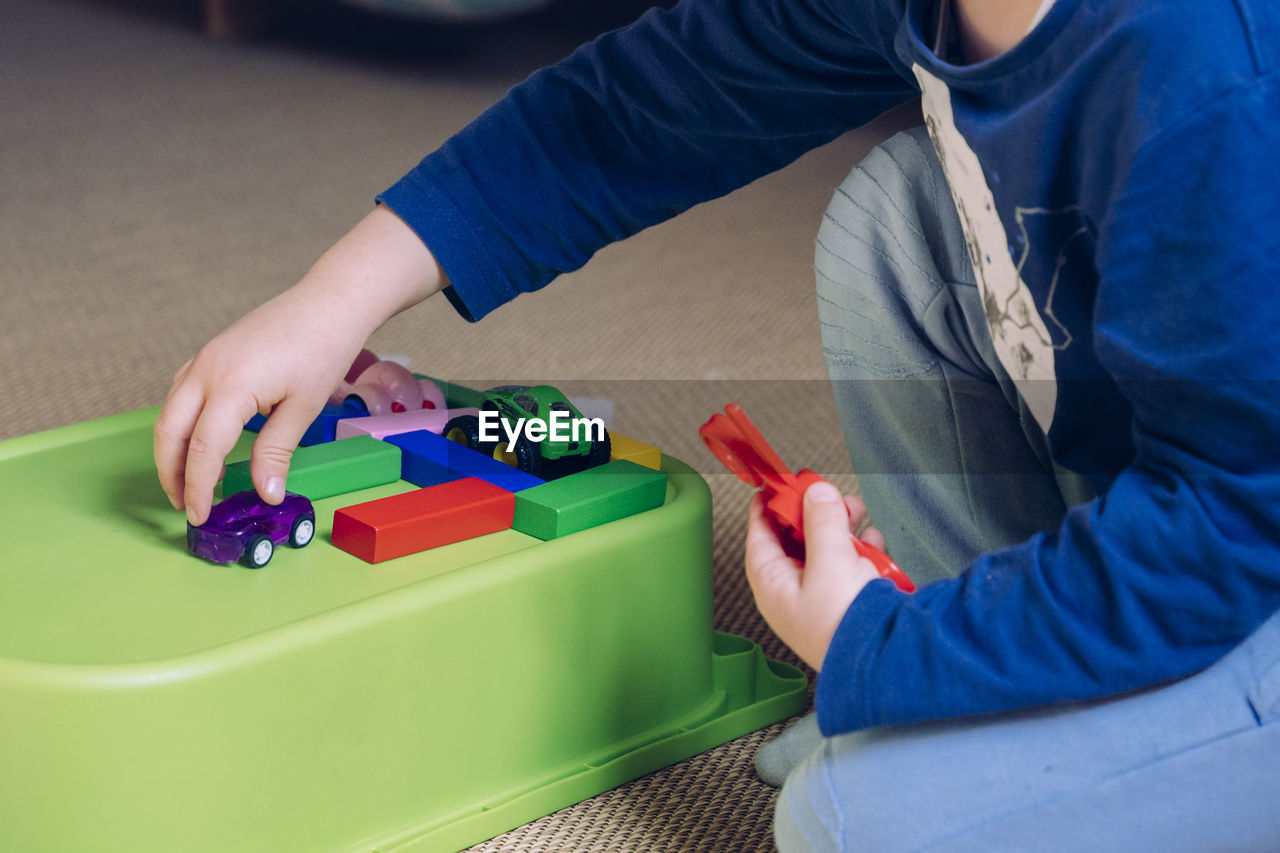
x=427 y=518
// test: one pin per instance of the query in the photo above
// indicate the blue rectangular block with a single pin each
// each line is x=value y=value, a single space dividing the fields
x=425 y=454
x=420 y=462
x=322 y=428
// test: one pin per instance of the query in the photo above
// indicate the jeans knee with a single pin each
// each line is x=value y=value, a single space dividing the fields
x=827 y=804
x=889 y=246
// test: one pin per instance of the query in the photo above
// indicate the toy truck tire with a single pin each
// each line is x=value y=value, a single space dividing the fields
x=529 y=456
x=465 y=429
x=600 y=451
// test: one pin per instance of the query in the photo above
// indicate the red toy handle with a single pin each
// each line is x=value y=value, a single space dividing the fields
x=736 y=441
x=739 y=444
x=885 y=566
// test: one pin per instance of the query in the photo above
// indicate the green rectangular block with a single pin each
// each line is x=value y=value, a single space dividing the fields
x=588 y=498
x=333 y=468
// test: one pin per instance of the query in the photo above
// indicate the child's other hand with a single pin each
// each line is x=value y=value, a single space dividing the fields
x=283 y=359
x=804 y=602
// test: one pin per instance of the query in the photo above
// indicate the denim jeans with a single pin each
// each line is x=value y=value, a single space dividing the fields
x=952 y=465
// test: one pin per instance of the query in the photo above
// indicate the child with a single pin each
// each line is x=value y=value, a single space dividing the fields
x=1058 y=402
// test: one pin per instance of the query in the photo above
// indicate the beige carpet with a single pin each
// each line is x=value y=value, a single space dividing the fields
x=155 y=185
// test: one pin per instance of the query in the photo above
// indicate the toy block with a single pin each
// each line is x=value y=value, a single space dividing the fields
x=427 y=518
x=425 y=453
x=588 y=498
x=333 y=468
x=423 y=461
x=635 y=451
x=381 y=426
x=322 y=428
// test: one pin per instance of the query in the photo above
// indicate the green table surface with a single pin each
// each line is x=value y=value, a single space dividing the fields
x=92 y=539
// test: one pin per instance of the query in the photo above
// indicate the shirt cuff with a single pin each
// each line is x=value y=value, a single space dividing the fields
x=842 y=699
x=474 y=287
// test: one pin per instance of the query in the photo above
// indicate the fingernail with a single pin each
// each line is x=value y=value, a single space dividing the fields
x=191 y=517
x=822 y=492
x=275 y=490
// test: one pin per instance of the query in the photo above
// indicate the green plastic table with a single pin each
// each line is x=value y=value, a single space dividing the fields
x=151 y=701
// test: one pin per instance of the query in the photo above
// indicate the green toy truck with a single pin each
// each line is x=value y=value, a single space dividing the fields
x=535 y=428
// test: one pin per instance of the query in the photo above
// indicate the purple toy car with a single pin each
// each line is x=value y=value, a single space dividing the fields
x=244 y=527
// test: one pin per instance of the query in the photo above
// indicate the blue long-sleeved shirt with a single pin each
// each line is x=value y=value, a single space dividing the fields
x=1118 y=177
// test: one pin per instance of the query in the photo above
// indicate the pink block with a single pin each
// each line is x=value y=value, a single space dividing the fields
x=379 y=426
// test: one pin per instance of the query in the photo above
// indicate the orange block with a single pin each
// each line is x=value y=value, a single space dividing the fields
x=427 y=518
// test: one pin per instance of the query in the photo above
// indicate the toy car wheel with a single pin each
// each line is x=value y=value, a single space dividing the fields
x=258 y=551
x=465 y=430
x=500 y=453
x=600 y=451
x=303 y=531
x=528 y=456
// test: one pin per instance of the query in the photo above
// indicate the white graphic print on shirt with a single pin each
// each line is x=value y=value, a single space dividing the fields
x=1022 y=342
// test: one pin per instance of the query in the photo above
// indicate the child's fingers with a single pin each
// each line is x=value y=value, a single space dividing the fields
x=766 y=560
x=872 y=536
x=170 y=437
x=827 y=540
x=179 y=375
x=273 y=449
x=857 y=511
x=857 y=516
x=215 y=434
x=762 y=541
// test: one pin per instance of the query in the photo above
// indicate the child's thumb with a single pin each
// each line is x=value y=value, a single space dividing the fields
x=827 y=540
x=273 y=449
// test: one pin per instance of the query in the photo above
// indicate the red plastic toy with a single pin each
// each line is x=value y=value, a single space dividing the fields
x=407 y=523
x=736 y=442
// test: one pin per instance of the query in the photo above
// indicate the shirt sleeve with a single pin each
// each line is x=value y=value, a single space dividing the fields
x=639 y=125
x=1179 y=560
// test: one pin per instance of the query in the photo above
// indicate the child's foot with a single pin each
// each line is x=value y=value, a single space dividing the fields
x=780 y=756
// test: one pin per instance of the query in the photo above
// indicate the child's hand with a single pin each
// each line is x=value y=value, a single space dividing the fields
x=804 y=602
x=284 y=359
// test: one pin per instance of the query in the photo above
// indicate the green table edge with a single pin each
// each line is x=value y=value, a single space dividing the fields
x=750 y=691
